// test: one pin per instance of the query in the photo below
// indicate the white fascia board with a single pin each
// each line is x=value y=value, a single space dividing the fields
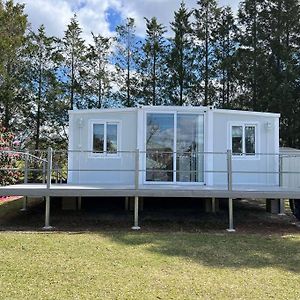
x=102 y=110
x=249 y=113
x=166 y=108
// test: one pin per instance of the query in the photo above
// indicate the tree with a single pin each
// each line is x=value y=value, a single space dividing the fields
x=152 y=63
x=41 y=81
x=181 y=59
x=126 y=53
x=224 y=52
x=206 y=19
x=74 y=53
x=99 y=75
x=251 y=55
x=282 y=83
x=13 y=24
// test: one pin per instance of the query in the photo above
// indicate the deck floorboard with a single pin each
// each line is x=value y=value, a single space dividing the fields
x=196 y=191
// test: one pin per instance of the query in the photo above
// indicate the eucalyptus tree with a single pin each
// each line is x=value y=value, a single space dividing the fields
x=13 y=25
x=206 y=16
x=181 y=59
x=152 y=64
x=73 y=52
x=99 y=71
x=125 y=62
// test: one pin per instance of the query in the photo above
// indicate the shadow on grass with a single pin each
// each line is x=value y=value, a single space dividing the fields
x=221 y=250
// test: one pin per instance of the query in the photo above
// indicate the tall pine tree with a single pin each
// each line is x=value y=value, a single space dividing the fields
x=181 y=59
x=152 y=65
x=126 y=58
x=99 y=75
x=74 y=55
x=206 y=18
x=224 y=52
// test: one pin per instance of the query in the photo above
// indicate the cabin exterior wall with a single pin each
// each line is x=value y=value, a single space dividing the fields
x=132 y=135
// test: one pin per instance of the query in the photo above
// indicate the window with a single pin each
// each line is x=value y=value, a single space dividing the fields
x=105 y=138
x=243 y=139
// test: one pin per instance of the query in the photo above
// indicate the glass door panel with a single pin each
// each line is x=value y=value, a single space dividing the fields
x=189 y=148
x=160 y=147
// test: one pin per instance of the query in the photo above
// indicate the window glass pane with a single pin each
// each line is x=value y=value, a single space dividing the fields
x=98 y=137
x=112 y=138
x=237 y=139
x=159 y=147
x=250 y=139
x=190 y=146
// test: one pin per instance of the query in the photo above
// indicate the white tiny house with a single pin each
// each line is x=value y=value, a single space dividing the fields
x=172 y=145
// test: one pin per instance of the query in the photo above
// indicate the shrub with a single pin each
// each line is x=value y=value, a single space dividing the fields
x=8 y=160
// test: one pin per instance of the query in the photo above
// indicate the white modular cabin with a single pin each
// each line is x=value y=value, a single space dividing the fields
x=172 y=145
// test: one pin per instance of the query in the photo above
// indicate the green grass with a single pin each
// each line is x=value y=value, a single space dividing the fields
x=126 y=265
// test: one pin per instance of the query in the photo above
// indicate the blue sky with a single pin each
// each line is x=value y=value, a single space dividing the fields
x=101 y=16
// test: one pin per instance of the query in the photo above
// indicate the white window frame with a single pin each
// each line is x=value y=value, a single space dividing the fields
x=105 y=154
x=244 y=155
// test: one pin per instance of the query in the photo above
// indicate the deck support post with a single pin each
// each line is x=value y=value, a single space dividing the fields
x=213 y=205
x=136 y=214
x=126 y=203
x=47 y=214
x=24 y=208
x=79 y=203
x=230 y=214
x=281 y=207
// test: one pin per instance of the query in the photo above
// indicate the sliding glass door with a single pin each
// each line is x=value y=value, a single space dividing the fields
x=189 y=148
x=174 y=147
x=160 y=147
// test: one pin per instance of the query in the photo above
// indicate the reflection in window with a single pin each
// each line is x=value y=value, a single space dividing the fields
x=98 y=138
x=250 y=139
x=189 y=148
x=105 y=138
x=112 y=138
x=243 y=139
x=159 y=147
x=237 y=139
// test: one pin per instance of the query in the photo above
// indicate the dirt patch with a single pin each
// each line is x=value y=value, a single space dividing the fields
x=249 y=217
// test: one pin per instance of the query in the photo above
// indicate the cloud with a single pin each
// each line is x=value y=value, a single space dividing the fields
x=97 y=15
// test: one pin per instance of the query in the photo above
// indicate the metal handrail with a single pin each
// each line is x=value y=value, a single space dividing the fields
x=48 y=169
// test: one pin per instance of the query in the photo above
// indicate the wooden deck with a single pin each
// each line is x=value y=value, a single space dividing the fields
x=195 y=191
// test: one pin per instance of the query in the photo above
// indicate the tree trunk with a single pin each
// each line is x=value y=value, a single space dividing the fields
x=206 y=102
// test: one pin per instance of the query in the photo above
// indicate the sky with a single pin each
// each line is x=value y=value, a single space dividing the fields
x=101 y=16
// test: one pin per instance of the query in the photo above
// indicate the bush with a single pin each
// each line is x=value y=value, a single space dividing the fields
x=8 y=160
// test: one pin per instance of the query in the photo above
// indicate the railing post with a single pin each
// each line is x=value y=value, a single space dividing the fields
x=229 y=183
x=137 y=169
x=280 y=170
x=281 y=201
x=26 y=166
x=229 y=170
x=26 y=160
x=44 y=172
x=49 y=167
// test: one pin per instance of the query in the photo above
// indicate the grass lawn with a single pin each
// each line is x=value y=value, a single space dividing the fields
x=159 y=265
